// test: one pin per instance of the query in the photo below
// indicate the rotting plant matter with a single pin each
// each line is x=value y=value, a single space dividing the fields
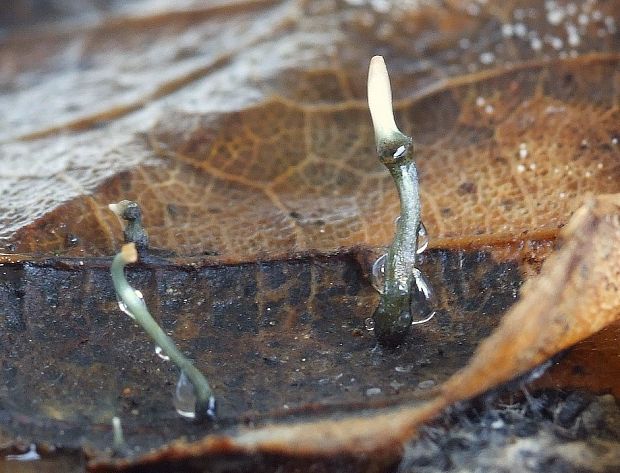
x=132 y=303
x=393 y=317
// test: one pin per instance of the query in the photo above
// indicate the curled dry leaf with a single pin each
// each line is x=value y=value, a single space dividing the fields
x=576 y=295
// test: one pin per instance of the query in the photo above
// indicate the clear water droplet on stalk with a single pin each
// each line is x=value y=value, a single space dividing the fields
x=378 y=273
x=423 y=299
x=123 y=306
x=378 y=267
x=160 y=353
x=30 y=455
x=211 y=408
x=369 y=323
x=184 y=399
x=422 y=238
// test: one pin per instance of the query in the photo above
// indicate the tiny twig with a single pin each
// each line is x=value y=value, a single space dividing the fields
x=205 y=401
x=393 y=315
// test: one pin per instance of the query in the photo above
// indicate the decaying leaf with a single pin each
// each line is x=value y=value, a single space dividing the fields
x=576 y=294
x=242 y=130
x=282 y=178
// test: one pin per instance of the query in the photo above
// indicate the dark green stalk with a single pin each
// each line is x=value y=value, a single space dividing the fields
x=205 y=401
x=393 y=315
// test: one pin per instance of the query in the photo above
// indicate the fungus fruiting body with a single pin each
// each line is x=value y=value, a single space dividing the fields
x=134 y=230
x=393 y=317
x=132 y=303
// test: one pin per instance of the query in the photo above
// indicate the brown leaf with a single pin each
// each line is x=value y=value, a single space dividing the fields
x=243 y=131
x=277 y=159
x=576 y=294
x=281 y=179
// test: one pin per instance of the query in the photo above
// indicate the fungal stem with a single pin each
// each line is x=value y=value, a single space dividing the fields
x=134 y=230
x=393 y=315
x=205 y=401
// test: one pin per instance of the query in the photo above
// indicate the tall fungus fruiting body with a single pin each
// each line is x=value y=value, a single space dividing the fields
x=393 y=316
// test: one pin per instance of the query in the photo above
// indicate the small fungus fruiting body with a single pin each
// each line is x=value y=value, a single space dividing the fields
x=119 y=447
x=133 y=304
x=393 y=317
x=134 y=230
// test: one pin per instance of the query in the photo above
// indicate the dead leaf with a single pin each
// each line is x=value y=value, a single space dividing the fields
x=576 y=294
x=240 y=158
x=243 y=131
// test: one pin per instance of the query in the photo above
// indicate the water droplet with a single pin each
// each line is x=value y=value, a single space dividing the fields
x=423 y=300
x=487 y=57
x=404 y=369
x=429 y=383
x=395 y=385
x=211 y=408
x=378 y=273
x=184 y=399
x=373 y=391
x=160 y=353
x=400 y=152
x=422 y=238
x=369 y=323
x=123 y=306
x=30 y=455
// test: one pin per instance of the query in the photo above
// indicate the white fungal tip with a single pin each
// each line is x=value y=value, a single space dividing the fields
x=380 y=99
x=116 y=424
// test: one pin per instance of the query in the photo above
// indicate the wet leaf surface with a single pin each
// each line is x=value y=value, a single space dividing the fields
x=238 y=157
x=242 y=130
x=548 y=319
x=280 y=178
x=267 y=335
